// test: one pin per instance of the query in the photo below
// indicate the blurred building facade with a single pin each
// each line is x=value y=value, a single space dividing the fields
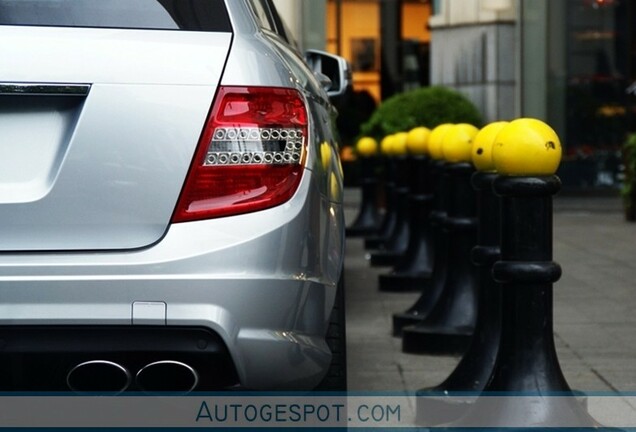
x=307 y=20
x=473 y=50
x=387 y=43
x=571 y=63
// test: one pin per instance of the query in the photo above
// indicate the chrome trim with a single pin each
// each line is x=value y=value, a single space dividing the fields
x=44 y=89
x=100 y=362
x=188 y=368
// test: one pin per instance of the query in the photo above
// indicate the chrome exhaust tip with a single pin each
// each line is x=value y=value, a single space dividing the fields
x=167 y=376
x=98 y=376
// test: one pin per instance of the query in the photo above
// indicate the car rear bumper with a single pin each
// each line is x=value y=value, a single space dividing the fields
x=263 y=282
x=51 y=358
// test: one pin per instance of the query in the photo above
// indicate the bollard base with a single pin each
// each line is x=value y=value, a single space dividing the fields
x=433 y=410
x=527 y=410
x=436 y=340
x=385 y=258
x=375 y=242
x=360 y=231
x=405 y=319
x=404 y=282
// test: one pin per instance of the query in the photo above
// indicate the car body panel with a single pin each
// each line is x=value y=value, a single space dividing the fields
x=112 y=56
x=258 y=286
x=110 y=181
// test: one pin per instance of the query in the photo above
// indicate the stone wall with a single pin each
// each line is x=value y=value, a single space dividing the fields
x=474 y=50
x=479 y=61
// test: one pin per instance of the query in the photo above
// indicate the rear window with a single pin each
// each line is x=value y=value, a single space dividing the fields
x=194 y=15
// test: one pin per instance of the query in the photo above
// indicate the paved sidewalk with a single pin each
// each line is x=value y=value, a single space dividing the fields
x=594 y=306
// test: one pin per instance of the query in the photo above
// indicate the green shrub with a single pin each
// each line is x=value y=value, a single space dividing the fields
x=628 y=191
x=426 y=106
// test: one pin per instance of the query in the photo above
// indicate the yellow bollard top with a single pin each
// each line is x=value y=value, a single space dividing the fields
x=417 y=140
x=435 y=140
x=367 y=146
x=399 y=144
x=527 y=147
x=482 y=146
x=386 y=145
x=457 y=144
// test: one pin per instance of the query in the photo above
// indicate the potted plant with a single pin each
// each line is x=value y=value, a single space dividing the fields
x=426 y=106
x=628 y=191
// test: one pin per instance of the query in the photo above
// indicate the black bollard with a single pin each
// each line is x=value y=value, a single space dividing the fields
x=433 y=288
x=413 y=269
x=449 y=326
x=476 y=366
x=397 y=243
x=526 y=362
x=387 y=226
x=527 y=273
x=474 y=369
x=368 y=219
x=441 y=187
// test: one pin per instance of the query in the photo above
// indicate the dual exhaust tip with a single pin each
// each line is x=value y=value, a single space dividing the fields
x=109 y=377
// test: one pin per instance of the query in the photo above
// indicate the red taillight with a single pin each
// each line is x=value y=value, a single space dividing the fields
x=250 y=156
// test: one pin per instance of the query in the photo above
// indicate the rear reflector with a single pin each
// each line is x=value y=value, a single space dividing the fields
x=250 y=156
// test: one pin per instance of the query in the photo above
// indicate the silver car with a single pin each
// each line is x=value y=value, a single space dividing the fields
x=170 y=199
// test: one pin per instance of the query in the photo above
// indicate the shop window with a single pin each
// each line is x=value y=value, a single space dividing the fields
x=596 y=101
x=364 y=55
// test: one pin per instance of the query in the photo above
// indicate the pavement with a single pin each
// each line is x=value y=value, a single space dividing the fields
x=594 y=306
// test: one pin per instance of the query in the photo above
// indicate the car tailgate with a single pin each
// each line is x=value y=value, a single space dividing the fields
x=95 y=156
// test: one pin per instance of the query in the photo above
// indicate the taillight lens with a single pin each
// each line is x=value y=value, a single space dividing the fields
x=250 y=156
